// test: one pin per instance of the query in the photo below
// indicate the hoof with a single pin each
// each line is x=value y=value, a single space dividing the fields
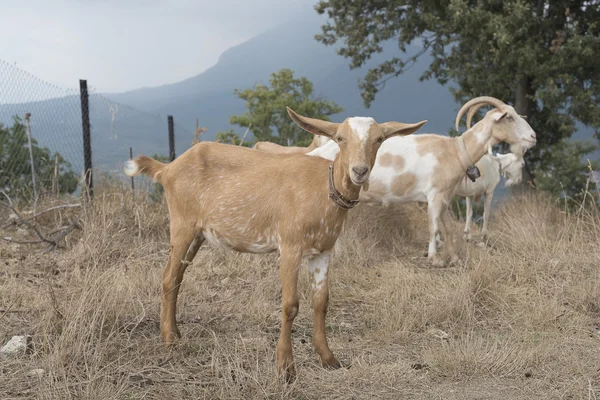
x=330 y=363
x=287 y=373
x=169 y=337
x=436 y=262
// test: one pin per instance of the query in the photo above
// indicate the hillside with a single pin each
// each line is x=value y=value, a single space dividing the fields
x=209 y=96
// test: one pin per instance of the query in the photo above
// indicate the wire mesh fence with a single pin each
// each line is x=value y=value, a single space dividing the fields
x=41 y=136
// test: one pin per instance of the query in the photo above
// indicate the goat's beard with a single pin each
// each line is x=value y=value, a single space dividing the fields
x=518 y=149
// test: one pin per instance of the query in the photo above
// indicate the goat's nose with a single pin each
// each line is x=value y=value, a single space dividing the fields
x=360 y=171
x=533 y=135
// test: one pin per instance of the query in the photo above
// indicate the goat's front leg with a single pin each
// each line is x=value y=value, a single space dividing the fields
x=487 y=205
x=184 y=246
x=288 y=271
x=319 y=266
x=467 y=234
x=434 y=207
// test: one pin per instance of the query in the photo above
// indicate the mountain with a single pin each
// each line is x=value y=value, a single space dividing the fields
x=209 y=96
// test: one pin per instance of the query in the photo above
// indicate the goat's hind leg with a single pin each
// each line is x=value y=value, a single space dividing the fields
x=184 y=246
x=487 y=205
x=448 y=235
x=291 y=259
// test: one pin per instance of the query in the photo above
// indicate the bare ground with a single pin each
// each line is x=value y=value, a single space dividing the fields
x=518 y=319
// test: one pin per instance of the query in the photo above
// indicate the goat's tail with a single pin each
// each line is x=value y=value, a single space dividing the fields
x=146 y=166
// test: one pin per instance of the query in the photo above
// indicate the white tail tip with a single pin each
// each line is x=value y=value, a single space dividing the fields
x=131 y=168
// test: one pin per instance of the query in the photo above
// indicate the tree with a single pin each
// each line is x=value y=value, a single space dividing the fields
x=566 y=175
x=230 y=137
x=267 y=108
x=15 y=165
x=540 y=55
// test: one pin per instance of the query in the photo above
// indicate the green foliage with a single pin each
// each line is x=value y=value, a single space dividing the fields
x=267 y=115
x=542 y=56
x=568 y=175
x=230 y=137
x=15 y=165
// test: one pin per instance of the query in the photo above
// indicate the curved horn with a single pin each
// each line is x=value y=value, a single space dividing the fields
x=478 y=100
x=472 y=111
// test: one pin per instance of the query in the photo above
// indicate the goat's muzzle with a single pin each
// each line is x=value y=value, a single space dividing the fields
x=359 y=174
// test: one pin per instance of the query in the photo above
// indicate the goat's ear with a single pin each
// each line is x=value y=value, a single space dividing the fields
x=399 y=128
x=313 y=125
x=499 y=115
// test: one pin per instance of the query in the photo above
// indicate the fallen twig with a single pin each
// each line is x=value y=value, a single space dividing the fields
x=29 y=225
x=10 y=307
x=43 y=212
x=53 y=243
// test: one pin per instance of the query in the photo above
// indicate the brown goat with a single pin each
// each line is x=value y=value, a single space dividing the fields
x=257 y=202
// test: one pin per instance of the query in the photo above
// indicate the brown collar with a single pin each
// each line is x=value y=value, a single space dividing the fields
x=463 y=155
x=336 y=196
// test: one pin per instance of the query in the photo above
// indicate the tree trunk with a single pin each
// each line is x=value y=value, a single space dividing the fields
x=523 y=106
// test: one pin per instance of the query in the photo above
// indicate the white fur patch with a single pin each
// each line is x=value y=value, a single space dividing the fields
x=131 y=168
x=361 y=125
x=318 y=266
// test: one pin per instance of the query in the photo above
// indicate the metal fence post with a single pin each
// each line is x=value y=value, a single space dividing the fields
x=131 y=158
x=171 y=138
x=87 y=143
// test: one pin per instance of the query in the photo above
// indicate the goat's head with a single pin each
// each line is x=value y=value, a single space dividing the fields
x=358 y=139
x=506 y=125
x=511 y=167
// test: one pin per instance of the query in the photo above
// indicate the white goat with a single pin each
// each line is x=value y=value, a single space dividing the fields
x=429 y=168
x=491 y=167
x=256 y=202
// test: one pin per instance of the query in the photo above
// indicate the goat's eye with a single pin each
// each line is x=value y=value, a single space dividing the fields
x=380 y=140
x=509 y=118
x=339 y=139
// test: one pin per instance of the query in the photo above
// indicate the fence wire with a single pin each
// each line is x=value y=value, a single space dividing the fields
x=52 y=117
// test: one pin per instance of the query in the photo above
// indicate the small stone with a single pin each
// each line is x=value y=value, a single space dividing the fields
x=418 y=366
x=12 y=218
x=528 y=374
x=302 y=341
x=225 y=281
x=22 y=232
x=38 y=372
x=18 y=345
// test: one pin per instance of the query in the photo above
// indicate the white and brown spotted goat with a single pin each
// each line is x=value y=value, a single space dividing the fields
x=257 y=202
x=429 y=168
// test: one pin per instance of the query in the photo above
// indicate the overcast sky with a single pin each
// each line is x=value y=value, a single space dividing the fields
x=120 y=45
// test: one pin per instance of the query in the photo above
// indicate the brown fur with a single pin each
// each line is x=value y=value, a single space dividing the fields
x=389 y=160
x=404 y=183
x=253 y=201
x=277 y=148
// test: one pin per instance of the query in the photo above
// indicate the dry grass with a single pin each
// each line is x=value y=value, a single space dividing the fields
x=521 y=313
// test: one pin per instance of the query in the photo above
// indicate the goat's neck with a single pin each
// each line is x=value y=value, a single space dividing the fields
x=478 y=139
x=342 y=181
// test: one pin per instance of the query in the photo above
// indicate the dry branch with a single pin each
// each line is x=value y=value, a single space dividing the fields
x=53 y=242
